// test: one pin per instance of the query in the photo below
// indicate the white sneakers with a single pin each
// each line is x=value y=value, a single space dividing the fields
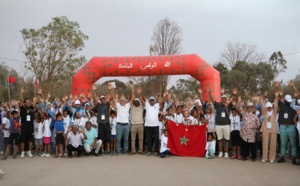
x=225 y=155
x=263 y=161
x=220 y=154
x=28 y=153
x=1 y=173
x=43 y=155
x=48 y=155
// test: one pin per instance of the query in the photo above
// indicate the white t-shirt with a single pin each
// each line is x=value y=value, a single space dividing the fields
x=113 y=124
x=211 y=122
x=93 y=120
x=210 y=144
x=6 y=122
x=47 y=131
x=172 y=118
x=75 y=140
x=163 y=143
x=38 y=130
x=151 y=119
x=123 y=113
x=235 y=122
x=178 y=118
x=80 y=122
x=67 y=121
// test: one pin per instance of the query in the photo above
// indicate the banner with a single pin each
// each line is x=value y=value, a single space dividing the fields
x=186 y=141
x=11 y=79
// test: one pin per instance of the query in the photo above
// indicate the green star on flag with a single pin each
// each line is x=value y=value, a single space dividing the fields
x=183 y=141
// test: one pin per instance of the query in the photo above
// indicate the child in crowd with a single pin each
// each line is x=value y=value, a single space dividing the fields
x=38 y=134
x=161 y=126
x=5 y=129
x=93 y=119
x=210 y=146
x=210 y=117
x=46 y=134
x=178 y=115
x=202 y=121
x=164 y=150
x=235 y=138
x=195 y=118
x=113 y=124
x=14 y=129
x=59 y=138
x=170 y=114
x=67 y=120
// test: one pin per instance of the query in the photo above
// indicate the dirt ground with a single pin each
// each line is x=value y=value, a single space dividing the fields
x=144 y=170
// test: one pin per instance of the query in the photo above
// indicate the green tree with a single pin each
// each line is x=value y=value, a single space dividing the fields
x=52 y=52
x=278 y=63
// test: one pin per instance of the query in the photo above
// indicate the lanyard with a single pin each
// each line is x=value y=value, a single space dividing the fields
x=286 y=109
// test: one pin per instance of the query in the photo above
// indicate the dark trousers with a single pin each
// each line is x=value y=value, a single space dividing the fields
x=245 y=149
x=71 y=148
x=152 y=131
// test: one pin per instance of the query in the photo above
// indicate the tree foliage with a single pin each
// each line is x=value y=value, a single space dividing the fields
x=278 y=63
x=234 y=52
x=185 y=88
x=52 y=52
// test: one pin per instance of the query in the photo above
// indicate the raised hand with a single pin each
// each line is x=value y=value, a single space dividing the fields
x=234 y=91
x=139 y=90
x=276 y=94
x=94 y=87
x=22 y=90
x=222 y=90
x=276 y=84
x=109 y=86
x=239 y=99
x=49 y=95
x=266 y=93
x=199 y=90
x=291 y=83
x=296 y=94
x=280 y=92
x=40 y=91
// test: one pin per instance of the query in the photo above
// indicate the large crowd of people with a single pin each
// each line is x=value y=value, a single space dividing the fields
x=113 y=125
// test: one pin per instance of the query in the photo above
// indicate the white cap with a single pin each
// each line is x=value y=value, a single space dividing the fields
x=269 y=105
x=288 y=98
x=224 y=96
x=198 y=101
x=102 y=96
x=250 y=104
x=77 y=102
x=87 y=104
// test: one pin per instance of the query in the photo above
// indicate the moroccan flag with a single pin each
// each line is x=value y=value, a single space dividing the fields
x=186 y=141
x=11 y=79
x=36 y=83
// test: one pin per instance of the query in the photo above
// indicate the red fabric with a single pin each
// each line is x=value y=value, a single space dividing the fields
x=11 y=79
x=36 y=83
x=195 y=134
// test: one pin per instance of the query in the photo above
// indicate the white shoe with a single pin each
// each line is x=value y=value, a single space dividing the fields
x=226 y=155
x=48 y=155
x=263 y=161
x=1 y=152
x=271 y=161
x=66 y=154
x=1 y=173
x=43 y=155
x=22 y=154
x=220 y=155
x=29 y=154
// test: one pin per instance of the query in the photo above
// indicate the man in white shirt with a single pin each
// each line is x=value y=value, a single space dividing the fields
x=75 y=140
x=122 y=121
x=151 y=121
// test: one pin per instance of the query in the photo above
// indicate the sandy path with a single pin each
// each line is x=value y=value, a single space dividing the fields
x=143 y=170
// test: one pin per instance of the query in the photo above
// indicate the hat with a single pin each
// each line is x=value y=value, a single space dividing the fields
x=288 y=98
x=77 y=102
x=224 y=96
x=151 y=98
x=269 y=105
x=87 y=104
x=250 y=104
x=137 y=99
x=102 y=96
x=198 y=101
x=258 y=107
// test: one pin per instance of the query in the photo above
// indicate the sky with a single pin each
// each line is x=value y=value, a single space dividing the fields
x=125 y=27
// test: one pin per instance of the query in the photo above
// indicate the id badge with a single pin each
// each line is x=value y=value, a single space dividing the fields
x=102 y=117
x=223 y=114
x=286 y=115
x=28 y=118
x=269 y=125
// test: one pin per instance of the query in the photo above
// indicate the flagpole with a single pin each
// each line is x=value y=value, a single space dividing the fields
x=8 y=91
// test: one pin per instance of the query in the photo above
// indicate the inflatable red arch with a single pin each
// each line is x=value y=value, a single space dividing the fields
x=190 y=64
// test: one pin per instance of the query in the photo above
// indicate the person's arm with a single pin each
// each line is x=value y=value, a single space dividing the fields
x=296 y=117
x=131 y=97
x=263 y=107
x=210 y=96
x=21 y=96
x=141 y=97
x=227 y=110
x=239 y=106
x=82 y=131
x=67 y=134
x=94 y=88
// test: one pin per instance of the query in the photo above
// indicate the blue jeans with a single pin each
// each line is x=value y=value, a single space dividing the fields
x=288 y=132
x=122 y=131
x=163 y=154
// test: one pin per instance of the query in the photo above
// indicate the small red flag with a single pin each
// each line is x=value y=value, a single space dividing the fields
x=188 y=141
x=36 y=83
x=11 y=79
